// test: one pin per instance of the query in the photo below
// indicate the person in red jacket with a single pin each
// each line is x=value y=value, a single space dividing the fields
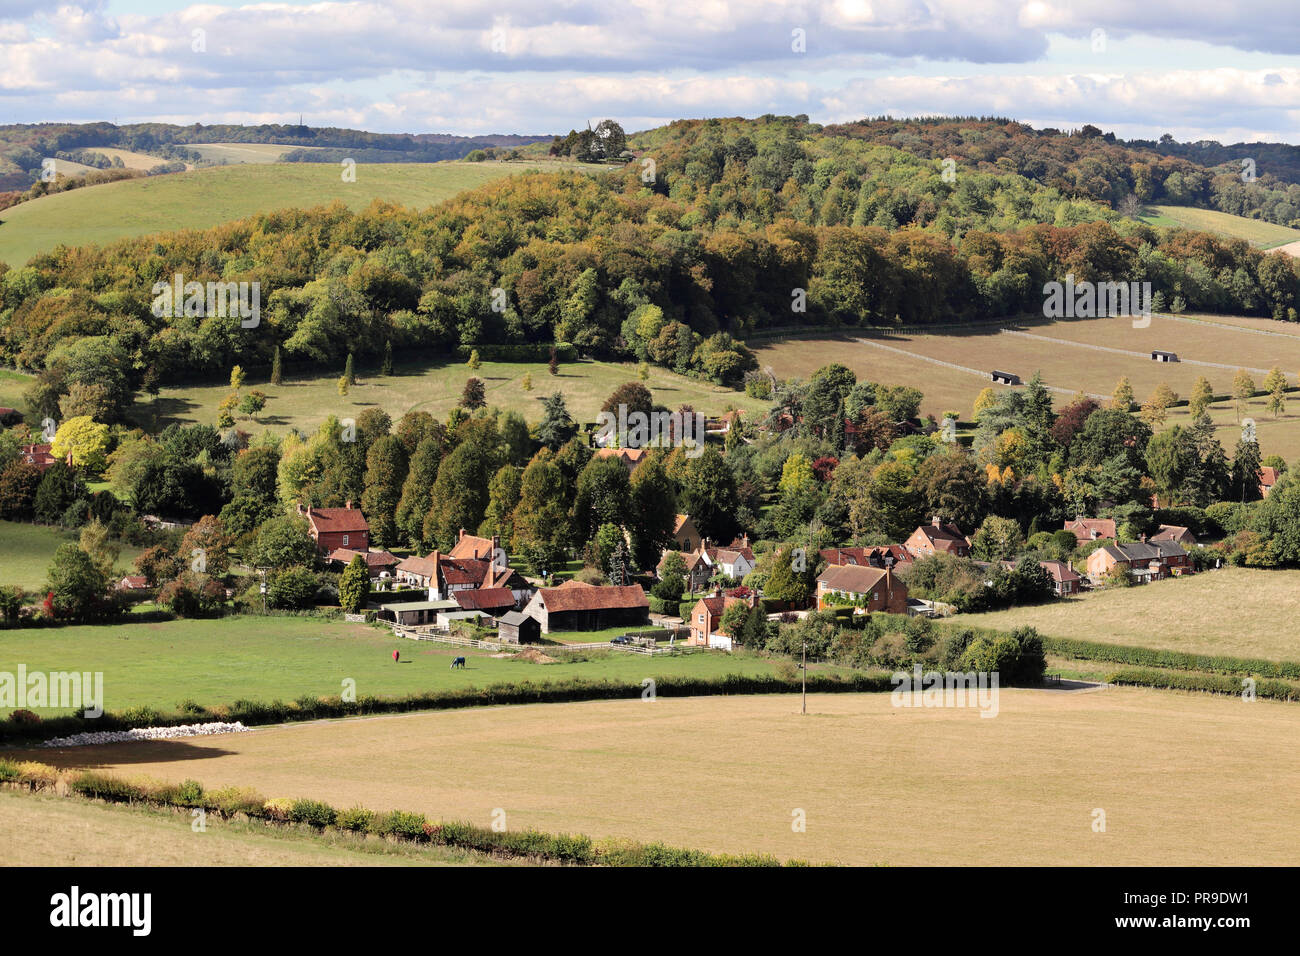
x=395 y=656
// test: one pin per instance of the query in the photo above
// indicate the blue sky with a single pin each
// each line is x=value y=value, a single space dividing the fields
x=1195 y=69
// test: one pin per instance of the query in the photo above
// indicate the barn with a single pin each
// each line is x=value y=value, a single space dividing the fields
x=575 y=606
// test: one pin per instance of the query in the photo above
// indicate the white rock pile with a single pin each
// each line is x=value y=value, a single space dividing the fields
x=146 y=733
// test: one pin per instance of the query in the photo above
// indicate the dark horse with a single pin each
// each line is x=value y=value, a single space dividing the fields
x=457 y=662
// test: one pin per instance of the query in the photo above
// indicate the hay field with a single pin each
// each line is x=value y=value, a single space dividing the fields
x=1241 y=612
x=45 y=830
x=1183 y=779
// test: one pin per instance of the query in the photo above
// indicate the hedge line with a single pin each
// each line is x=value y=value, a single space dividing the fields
x=1151 y=657
x=526 y=692
x=402 y=825
x=519 y=352
x=1206 y=683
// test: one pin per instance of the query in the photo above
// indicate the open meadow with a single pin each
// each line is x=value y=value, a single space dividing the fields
x=436 y=387
x=80 y=833
x=1241 y=612
x=201 y=198
x=214 y=662
x=27 y=549
x=1074 y=356
x=1183 y=779
x=1258 y=232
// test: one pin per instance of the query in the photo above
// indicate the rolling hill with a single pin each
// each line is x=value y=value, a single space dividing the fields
x=207 y=197
x=1263 y=235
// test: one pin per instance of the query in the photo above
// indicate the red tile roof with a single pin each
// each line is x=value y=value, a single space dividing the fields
x=590 y=598
x=337 y=520
x=374 y=559
x=471 y=546
x=853 y=578
x=484 y=599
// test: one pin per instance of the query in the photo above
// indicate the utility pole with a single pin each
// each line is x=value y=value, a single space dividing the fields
x=803 y=700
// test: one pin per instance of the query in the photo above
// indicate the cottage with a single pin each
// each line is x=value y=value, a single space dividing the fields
x=1159 y=356
x=874 y=589
x=630 y=457
x=381 y=564
x=1005 y=378
x=735 y=560
x=475 y=548
x=586 y=607
x=938 y=537
x=39 y=455
x=444 y=574
x=334 y=528
x=1091 y=529
x=698 y=569
x=134 y=584
x=707 y=615
x=685 y=535
x=1177 y=534
x=1145 y=561
x=885 y=556
x=1065 y=580
x=1268 y=476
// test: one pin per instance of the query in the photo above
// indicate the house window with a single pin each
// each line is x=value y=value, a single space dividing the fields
x=345 y=541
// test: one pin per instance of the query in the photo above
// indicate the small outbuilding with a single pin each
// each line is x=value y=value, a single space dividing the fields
x=516 y=627
x=1005 y=378
x=1158 y=356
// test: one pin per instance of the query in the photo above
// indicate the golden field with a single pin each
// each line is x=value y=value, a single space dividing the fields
x=1183 y=779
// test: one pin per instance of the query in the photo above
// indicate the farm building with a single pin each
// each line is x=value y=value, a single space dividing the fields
x=1159 y=356
x=490 y=600
x=516 y=627
x=575 y=606
x=1005 y=378
x=415 y=613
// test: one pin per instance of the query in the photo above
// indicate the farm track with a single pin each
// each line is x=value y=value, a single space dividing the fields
x=1129 y=352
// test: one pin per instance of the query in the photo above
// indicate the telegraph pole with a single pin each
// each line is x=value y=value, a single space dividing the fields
x=803 y=700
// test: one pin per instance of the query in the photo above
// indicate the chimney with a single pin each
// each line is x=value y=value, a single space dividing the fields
x=348 y=506
x=302 y=509
x=744 y=539
x=936 y=521
x=461 y=535
x=435 y=586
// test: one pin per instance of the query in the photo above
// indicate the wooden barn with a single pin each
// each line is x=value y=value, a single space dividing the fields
x=575 y=606
x=515 y=627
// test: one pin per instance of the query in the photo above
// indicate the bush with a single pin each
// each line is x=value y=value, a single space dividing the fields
x=293 y=589
x=312 y=812
x=357 y=819
x=189 y=793
x=278 y=809
x=232 y=800
x=102 y=786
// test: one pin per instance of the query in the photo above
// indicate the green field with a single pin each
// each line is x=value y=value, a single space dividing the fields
x=202 y=198
x=1257 y=232
x=282 y=658
x=436 y=388
x=26 y=551
x=1239 y=612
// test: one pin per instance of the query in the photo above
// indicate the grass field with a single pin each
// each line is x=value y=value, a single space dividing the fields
x=1242 y=612
x=1183 y=779
x=132 y=160
x=1257 y=232
x=436 y=388
x=202 y=198
x=245 y=152
x=1084 y=355
x=45 y=830
x=282 y=658
x=26 y=551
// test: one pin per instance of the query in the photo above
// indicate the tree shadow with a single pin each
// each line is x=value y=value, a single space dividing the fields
x=100 y=756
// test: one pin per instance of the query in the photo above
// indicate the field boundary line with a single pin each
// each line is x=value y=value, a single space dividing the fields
x=1129 y=352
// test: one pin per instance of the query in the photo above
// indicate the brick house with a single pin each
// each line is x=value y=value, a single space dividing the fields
x=444 y=575
x=686 y=537
x=1175 y=533
x=380 y=563
x=1065 y=580
x=735 y=560
x=707 y=615
x=1091 y=529
x=1145 y=561
x=1268 y=476
x=878 y=587
x=937 y=537
x=334 y=528
x=698 y=569
x=884 y=556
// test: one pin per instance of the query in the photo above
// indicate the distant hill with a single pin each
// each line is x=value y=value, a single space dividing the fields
x=23 y=147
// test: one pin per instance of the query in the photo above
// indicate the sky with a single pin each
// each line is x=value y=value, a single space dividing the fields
x=1196 y=69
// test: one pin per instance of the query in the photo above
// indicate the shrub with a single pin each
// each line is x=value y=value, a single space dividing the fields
x=24 y=717
x=357 y=819
x=278 y=809
x=189 y=793
x=312 y=812
x=232 y=800
x=90 y=783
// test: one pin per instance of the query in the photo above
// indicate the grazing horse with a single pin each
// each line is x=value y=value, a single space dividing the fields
x=458 y=662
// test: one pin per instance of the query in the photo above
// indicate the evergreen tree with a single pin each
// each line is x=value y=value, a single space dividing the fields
x=1245 y=471
x=556 y=426
x=275 y=367
x=354 y=585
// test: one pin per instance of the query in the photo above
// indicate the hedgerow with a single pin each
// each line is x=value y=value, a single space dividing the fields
x=1205 y=683
x=1152 y=657
x=401 y=825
